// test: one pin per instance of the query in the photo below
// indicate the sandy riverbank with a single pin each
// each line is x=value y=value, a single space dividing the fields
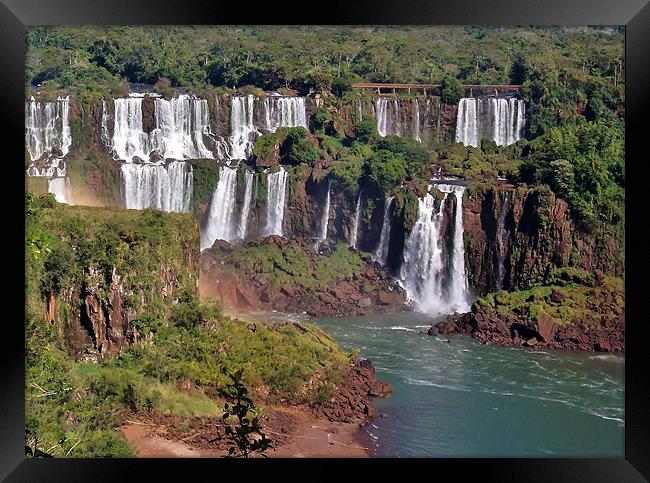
x=308 y=437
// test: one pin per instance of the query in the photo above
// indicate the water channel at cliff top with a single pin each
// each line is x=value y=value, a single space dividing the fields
x=465 y=399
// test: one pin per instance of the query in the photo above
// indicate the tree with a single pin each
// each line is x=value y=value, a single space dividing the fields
x=365 y=131
x=562 y=178
x=341 y=85
x=386 y=170
x=297 y=148
x=247 y=436
x=518 y=71
x=451 y=90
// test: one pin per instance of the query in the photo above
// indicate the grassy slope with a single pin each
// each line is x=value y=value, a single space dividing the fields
x=296 y=264
x=571 y=296
x=180 y=365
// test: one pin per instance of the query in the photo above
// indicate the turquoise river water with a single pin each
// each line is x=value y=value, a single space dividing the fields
x=455 y=397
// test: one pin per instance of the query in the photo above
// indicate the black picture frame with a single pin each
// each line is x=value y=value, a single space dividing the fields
x=634 y=14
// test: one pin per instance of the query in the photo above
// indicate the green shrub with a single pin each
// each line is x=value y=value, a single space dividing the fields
x=365 y=131
x=451 y=90
x=385 y=170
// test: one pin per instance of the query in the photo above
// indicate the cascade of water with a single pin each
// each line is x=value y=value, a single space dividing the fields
x=359 y=110
x=499 y=119
x=520 y=120
x=397 y=118
x=322 y=236
x=47 y=127
x=381 y=253
x=181 y=124
x=105 y=134
x=416 y=120
x=154 y=186
x=283 y=111
x=56 y=167
x=129 y=138
x=512 y=130
x=60 y=188
x=381 y=114
x=388 y=116
x=423 y=268
x=457 y=297
x=246 y=206
x=242 y=126
x=467 y=122
x=276 y=200
x=219 y=225
x=357 y=219
x=181 y=184
x=421 y=271
x=501 y=235
x=145 y=186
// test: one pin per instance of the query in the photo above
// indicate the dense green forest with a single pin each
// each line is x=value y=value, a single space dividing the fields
x=573 y=84
x=557 y=65
x=73 y=407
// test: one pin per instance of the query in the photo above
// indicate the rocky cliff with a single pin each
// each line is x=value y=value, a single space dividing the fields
x=275 y=274
x=516 y=236
x=576 y=310
x=105 y=268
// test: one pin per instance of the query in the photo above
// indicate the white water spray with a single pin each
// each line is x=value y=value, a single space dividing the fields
x=381 y=253
x=219 y=225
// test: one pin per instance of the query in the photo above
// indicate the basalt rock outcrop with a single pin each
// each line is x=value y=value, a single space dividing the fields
x=289 y=276
x=579 y=311
x=350 y=401
x=515 y=237
x=95 y=302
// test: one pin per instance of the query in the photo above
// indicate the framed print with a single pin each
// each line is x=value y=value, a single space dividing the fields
x=386 y=234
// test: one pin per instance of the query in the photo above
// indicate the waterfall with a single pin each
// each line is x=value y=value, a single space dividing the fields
x=380 y=113
x=416 y=120
x=388 y=117
x=501 y=235
x=242 y=126
x=246 y=206
x=105 y=134
x=467 y=122
x=520 y=122
x=357 y=219
x=497 y=118
x=381 y=253
x=221 y=144
x=457 y=288
x=47 y=135
x=129 y=138
x=47 y=128
x=423 y=268
x=219 y=225
x=421 y=271
x=55 y=168
x=280 y=111
x=154 y=186
x=322 y=236
x=60 y=188
x=275 y=202
x=181 y=184
x=181 y=124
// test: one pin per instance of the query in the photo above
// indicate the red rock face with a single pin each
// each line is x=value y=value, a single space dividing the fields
x=97 y=323
x=238 y=290
x=598 y=326
x=537 y=236
x=351 y=399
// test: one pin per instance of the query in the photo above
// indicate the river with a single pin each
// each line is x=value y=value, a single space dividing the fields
x=455 y=397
